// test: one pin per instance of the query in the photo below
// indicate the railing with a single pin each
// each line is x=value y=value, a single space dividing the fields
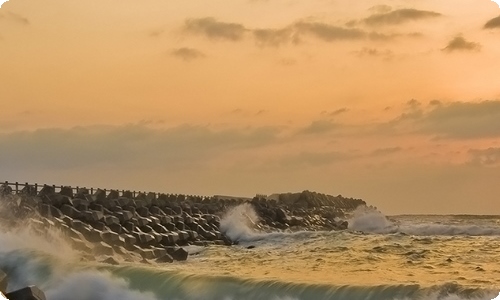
x=35 y=188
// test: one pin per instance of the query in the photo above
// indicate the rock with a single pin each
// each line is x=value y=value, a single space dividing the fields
x=70 y=211
x=109 y=220
x=110 y=261
x=180 y=254
x=110 y=237
x=27 y=293
x=147 y=253
x=103 y=249
x=113 y=195
x=66 y=191
x=3 y=281
x=100 y=195
x=165 y=259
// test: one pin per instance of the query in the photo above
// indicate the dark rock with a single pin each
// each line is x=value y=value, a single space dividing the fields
x=110 y=261
x=143 y=212
x=70 y=211
x=113 y=194
x=180 y=254
x=3 y=281
x=27 y=293
x=165 y=259
x=100 y=195
x=47 y=190
x=103 y=249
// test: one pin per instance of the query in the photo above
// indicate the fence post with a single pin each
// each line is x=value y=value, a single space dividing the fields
x=36 y=188
x=17 y=187
x=91 y=190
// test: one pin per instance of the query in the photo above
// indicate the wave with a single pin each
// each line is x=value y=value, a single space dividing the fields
x=240 y=224
x=368 y=220
x=149 y=283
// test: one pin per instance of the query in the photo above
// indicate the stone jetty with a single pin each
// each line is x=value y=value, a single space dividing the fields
x=155 y=227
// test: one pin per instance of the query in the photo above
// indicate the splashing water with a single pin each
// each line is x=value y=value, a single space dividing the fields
x=239 y=223
x=366 y=219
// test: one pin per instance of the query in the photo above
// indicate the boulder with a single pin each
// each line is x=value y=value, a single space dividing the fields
x=66 y=191
x=27 y=293
x=165 y=259
x=3 y=281
x=100 y=195
x=70 y=211
x=113 y=195
x=110 y=261
x=109 y=220
x=103 y=249
x=180 y=254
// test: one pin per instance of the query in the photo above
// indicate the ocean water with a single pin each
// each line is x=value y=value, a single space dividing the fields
x=378 y=257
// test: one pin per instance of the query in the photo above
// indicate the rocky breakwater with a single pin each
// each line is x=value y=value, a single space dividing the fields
x=106 y=225
x=305 y=210
x=109 y=225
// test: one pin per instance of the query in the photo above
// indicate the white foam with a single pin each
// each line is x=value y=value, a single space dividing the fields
x=239 y=223
x=372 y=221
x=95 y=285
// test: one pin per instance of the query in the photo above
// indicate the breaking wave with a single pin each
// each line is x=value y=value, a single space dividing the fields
x=369 y=220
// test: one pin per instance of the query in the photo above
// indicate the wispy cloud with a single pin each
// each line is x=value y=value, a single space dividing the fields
x=493 y=23
x=290 y=34
x=319 y=127
x=183 y=146
x=215 y=29
x=14 y=17
x=453 y=120
x=485 y=157
x=399 y=16
x=459 y=43
x=187 y=54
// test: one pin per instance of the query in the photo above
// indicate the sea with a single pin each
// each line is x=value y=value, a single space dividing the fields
x=379 y=257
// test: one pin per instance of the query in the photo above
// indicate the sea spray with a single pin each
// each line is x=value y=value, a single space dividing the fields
x=95 y=285
x=369 y=220
x=239 y=223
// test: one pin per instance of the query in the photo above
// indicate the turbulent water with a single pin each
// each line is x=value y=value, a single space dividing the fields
x=398 y=257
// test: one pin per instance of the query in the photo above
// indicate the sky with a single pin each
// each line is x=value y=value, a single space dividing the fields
x=396 y=102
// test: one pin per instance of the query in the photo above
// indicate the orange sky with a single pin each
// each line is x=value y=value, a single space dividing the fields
x=393 y=101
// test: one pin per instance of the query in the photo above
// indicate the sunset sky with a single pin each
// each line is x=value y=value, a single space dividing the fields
x=396 y=102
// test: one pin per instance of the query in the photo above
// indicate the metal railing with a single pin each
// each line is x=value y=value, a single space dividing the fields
x=18 y=188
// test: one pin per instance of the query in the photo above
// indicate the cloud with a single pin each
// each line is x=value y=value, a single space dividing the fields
x=14 y=17
x=187 y=54
x=372 y=52
x=485 y=157
x=385 y=151
x=319 y=127
x=380 y=8
x=339 y=111
x=214 y=29
x=454 y=120
x=315 y=159
x=458 y=43
x=399 y=16
x=493 y=23
x=127 y=146
x=274 y=37
x=329 y=32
